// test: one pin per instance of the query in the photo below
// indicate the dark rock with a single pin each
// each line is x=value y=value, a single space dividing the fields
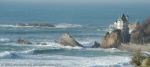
x=41 y=44
x=19 y=41
x=35 y=24
x=67 y=40
x=40 y=24
x=21 y=24
x=96 y=45
x=56 y=41
x=113 y=40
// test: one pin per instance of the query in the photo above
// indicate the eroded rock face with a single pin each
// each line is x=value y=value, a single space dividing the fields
x=96 y=45
x=19 y=41
x=67 y=40
x=113 y=40
x=41 y=44
x=34 y=24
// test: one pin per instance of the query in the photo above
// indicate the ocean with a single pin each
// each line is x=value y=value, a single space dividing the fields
x=86 y=23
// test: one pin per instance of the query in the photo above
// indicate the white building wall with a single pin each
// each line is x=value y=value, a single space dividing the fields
x=118 y=24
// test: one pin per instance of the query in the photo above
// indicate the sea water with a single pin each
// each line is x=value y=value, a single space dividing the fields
x=86 y=23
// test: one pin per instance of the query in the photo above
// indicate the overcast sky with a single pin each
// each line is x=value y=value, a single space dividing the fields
x=81 y=1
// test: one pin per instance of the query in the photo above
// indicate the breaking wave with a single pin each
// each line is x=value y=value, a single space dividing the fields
x=20 y=54
x=15 y=54
x=13 y=26
x=68 y=61
x=5 y=40
x=65 y=25
x=104 y=30
x=61 y=25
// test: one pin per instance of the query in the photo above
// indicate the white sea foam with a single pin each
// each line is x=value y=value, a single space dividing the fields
x=84 y=42
x=61 y=25
x=28 y=52
x=114 y=61
x=111 y=50
x=72 y=61
x=13 y=26
x=7 y=25
x=4 y=40
x=5 y=54
x=55 y=46
x=88 y=42
x=65 y=25
x=10 y=54
x=66 y=61
x=105 y=30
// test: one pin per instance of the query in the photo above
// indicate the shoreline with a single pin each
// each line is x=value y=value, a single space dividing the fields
x=133 y=47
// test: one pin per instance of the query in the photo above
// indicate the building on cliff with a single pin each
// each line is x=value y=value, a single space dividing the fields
x=121 y=24
x=134 y=25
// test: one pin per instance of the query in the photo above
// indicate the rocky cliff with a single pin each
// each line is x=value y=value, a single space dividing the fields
x=67 y=40
x=111 y=40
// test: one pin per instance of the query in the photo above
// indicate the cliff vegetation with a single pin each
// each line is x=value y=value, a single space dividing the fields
x=140 y=59
x=141 y=35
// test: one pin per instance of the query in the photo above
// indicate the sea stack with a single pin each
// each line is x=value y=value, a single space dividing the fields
x=67 y=40
x=96 y=45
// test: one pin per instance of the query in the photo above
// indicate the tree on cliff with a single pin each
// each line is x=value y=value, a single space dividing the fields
x=141 y=35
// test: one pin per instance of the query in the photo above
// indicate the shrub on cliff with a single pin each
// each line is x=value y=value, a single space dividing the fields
x=117 y=30
x=137 y=58
x=142 y=33
x=148 y=62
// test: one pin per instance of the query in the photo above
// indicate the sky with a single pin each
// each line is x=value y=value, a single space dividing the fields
x=80 y=1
